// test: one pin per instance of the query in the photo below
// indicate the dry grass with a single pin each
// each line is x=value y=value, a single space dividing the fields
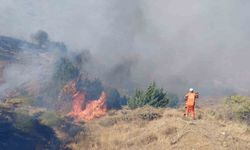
x=127 y=129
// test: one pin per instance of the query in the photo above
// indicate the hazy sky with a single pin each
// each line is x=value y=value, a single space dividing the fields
x=202 y=44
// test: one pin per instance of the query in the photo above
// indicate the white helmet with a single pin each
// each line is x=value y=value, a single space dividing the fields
x=191 y=89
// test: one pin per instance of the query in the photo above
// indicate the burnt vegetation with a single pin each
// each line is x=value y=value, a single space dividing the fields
x=21 y=130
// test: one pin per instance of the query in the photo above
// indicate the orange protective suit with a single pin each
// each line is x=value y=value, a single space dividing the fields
x=190 y=98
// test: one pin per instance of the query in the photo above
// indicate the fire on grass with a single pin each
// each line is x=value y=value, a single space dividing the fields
x=83 y=109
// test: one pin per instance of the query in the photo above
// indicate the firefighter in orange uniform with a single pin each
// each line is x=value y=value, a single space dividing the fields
x=190 y=98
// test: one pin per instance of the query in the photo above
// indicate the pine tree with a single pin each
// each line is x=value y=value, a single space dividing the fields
x=152 y=96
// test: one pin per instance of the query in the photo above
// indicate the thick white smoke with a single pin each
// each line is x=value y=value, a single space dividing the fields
x=177 y=43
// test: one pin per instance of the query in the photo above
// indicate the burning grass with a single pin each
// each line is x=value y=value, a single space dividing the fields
x=93 y=109
x=82 y=108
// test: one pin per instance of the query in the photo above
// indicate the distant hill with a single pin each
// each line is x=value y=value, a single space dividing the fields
x=10 y=48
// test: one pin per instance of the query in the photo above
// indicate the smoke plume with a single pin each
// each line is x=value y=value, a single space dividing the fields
x=178 y=44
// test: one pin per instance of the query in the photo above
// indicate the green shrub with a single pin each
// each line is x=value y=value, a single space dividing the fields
x=23 y=121
x=49 y=118
x=238 y=107
x=152 y=96
x=114 y=99
x=20 y=101
x=65 y=71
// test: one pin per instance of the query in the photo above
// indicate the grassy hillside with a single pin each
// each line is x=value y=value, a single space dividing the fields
x=133 y=129
x=156 y=129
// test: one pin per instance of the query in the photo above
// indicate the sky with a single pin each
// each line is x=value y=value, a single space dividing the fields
x=203 y=44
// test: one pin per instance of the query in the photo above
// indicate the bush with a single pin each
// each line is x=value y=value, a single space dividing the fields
x=20 y=101
x=22 y=121
x=152 y=96
x=65 y=71
x=238 y=107
x=150 y=116
x=41 y=38
x=114 y=99
x=49 y=118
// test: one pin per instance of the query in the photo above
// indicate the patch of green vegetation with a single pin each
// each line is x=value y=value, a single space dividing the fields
x=23 y=121
x=20 y=101
x=152 y=96
x=238 y=107
x=65 y=71
x=49 y=118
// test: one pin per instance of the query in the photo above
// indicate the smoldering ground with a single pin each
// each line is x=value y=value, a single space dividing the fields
x=178 y=44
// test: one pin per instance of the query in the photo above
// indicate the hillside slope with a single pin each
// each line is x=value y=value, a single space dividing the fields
x=156 y=129
x=21 y=130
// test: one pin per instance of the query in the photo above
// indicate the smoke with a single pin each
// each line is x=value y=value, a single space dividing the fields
x=32 y=68
x=178 y=44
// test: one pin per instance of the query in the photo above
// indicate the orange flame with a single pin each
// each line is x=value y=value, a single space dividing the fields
x=93 y=109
